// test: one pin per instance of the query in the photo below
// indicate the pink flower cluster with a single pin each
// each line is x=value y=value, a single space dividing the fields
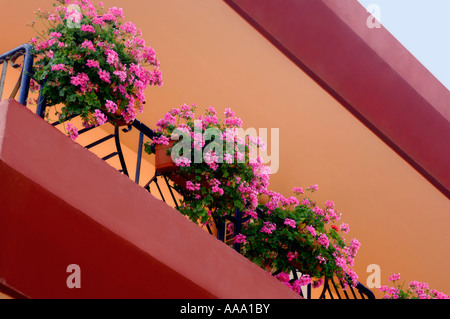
x=290 y=222
x=211 y=159
x=117 y=52
x=268 y=227
x=88 y=45
x=414 y=290
x=394 y=277
x=239 y=239
x=82 y=80
x=215 y=186
x=182 y=161
x=100 y=117
x=73 y=132
x=298 y=190
x=58 y=67
x=323 y=240
x=312 y=230
x=111 y=106
x=292 y=255
x=296 y=284
x=192 y=186
x=339 y=255
x=164 y=140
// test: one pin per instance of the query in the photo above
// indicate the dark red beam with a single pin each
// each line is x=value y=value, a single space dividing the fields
x=368 y=71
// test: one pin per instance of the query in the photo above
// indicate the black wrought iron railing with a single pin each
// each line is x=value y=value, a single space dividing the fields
x=161 y=181
x=23 y=82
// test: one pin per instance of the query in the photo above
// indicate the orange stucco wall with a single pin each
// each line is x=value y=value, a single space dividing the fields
x=211 y=56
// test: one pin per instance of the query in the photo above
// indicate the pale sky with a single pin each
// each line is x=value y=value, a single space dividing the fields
x=423 y=27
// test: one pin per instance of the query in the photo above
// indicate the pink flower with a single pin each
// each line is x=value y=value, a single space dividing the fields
x=122 y=75
x=74 y=16
x=329 y=203
x=100 y=117
x=98 y=21
x=323 y=240
x=332 y=214
x=111 y=106
x=306 y=202
x=128 y=27
x=217 y=189
x=314 y=187
x=240 y=157
x=87 y=28
x=73 y=131
x=211 y=159
x=345 y=228
x=304 y=280
x=298 y=190
x=55 y=34
x=312 y=230
x=283 y=277
x=92 y=64
x=118 y=12
x=81 y=79
x=108 y=17
x=161 y=140
x=292 y=201
x=354 y=247
x=291 y=255
x=211 y=110
x=318 y=283
x=239 y=239
x=58 y=67
x=192 y=187
x=129 y=114
x=321 y=259
x=394 y=277
x=54 y=17
x=268 y=227
x=182 y=161
x=384 y=288
x=318 y=210
x=111 y=56
x=104 y=76
x=228 y=158
x=228 y=112
x=290 y=222
x=211 y=120
x=88 y=45
x=233 y=122
x=340 y=262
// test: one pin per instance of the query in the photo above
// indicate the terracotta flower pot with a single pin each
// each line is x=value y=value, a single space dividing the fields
x=117 y=119
x=163 y=162
x=118 y=122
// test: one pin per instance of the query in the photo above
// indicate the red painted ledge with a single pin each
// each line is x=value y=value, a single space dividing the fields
x=367 y=70
x=62 y=205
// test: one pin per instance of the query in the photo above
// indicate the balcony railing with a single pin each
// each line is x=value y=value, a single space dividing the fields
x=160 y=180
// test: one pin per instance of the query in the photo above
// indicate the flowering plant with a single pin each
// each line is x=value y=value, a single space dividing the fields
x=222 y=176
x=221 y=173
x=414 y=290
x=288 y=233
x=93 y=63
